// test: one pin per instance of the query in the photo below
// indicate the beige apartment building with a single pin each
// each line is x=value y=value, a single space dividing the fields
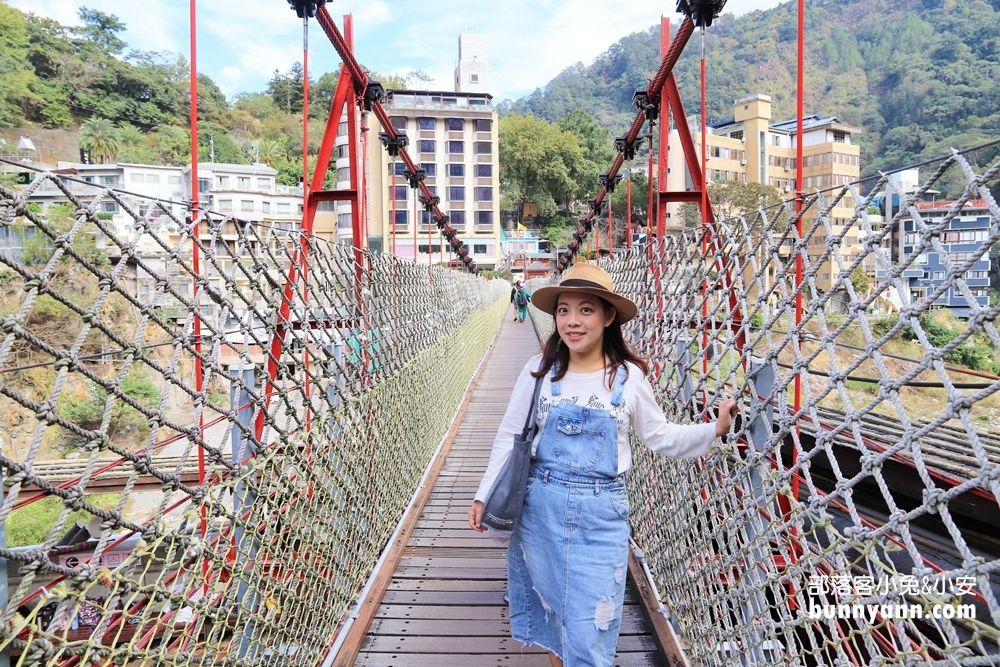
x=453 y=138
x=752 y=149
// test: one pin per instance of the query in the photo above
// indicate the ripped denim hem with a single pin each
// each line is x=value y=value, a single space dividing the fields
x=538 y=644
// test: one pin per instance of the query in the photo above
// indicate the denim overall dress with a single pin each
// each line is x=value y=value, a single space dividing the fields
x=567 y=559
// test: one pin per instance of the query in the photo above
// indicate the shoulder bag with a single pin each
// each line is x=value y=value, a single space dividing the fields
x=503 y=504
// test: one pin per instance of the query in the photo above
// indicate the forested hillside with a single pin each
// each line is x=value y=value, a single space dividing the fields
x=134 y=106
x=920 y=76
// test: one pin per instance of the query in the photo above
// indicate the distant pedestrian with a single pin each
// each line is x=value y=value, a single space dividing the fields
x=521 y=297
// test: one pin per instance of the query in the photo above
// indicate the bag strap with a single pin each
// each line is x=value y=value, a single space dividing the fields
x=531 y=410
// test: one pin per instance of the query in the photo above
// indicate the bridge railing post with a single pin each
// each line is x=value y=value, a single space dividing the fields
x=682 y=361
x=243 y=377
x=761 y=377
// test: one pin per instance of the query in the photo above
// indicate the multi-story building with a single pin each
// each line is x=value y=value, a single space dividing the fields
x=471 y=72
x=963 y=239
x=453 y=139
x=751 y=149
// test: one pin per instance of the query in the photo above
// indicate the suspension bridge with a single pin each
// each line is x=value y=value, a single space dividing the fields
x=305 y=467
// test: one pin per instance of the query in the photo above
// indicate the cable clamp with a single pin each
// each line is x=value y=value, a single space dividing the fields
x=649 y=107
x=608 y=182
x=394 y=144
x=414 y=178
x=626 y=148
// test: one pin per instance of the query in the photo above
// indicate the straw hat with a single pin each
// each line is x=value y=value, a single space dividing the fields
x=585 y=279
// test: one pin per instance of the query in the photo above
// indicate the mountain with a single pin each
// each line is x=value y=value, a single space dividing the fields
x=919 y=76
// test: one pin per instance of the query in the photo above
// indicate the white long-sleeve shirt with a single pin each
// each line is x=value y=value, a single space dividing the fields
x=639 y=409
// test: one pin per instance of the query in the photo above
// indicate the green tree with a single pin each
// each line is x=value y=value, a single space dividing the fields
x=102 y=29
x=538 y=161
x=598 y=151
x=731 y=199
x=100 y=137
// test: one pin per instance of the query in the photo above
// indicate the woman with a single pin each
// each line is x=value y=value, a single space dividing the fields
x=567 y=559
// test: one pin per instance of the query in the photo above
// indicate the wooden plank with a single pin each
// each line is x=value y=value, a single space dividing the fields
x=473 y=573
x=457 y=644
x=448 y=585
x=461 y=598
x=509 y=659
x=630 y=612
x=369 y=606
x=443 y=611
x=468 y=627
x=448 y=561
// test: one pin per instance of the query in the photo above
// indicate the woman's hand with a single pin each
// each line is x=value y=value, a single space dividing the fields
x=476 y=517
x=725 y=422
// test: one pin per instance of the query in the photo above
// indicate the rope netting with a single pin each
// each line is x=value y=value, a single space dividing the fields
x=852 y=516
x=238 y=452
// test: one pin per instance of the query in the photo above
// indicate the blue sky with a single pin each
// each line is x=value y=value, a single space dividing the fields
x=242 y=42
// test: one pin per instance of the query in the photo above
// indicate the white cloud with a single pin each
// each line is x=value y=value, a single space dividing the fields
x=242 y=42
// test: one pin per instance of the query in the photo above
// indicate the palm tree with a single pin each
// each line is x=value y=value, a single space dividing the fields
x=270 y=152
x=100 y=137
x=129 y=134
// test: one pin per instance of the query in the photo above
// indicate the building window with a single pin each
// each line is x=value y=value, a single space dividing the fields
x=738 y=134
x=430 y=169
x=109 y=180
x=775 y=140
x=456 y=193
x=484 y=194
x=204 y=184
x=263 y=182
x=839 y=137
x=484 y=218
x=284 y=208
x=425 y=123
x=473 y=78
x=343 y=173
x=109 y=207
x=400 y=192
x=402 y=218
x=484 y=170
x=427 y=146
x=427 y=218
x=225 y=204
x=246 y=205
x=400 y=168
x=483 y=124
x=974 y=275
x=432 y=189
x=456 y=147
x=243 y=182
x=344 y=220
x=456 y=169
x=265 y=207
x=173 y=179
x=456 y=124
x=479 y=248
x=399 y=122
x=458 y=218
x=136 y=178
x=423 y=247
x=342 y=129
x=484 y=148
x=939 y=275
x=222 y=181
x=342 y=152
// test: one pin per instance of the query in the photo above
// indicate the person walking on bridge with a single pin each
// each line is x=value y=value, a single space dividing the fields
x=520 y=296
x=568 y=556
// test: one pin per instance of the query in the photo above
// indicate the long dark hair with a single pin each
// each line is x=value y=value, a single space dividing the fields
x=616 y=350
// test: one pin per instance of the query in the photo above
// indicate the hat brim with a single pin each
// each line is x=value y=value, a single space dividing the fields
x=546 y=298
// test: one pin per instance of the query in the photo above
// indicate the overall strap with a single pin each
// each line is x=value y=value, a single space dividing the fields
x=556 y=384
x=619 y=386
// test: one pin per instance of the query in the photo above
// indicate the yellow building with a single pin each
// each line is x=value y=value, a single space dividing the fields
x=752 y=149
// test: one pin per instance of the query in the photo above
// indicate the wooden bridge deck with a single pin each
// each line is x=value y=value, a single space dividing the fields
x=444 y=604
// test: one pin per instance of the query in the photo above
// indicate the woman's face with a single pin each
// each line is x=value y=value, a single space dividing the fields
x=580 y=321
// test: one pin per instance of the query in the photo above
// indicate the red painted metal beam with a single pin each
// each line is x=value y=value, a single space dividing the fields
x=361 y=83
